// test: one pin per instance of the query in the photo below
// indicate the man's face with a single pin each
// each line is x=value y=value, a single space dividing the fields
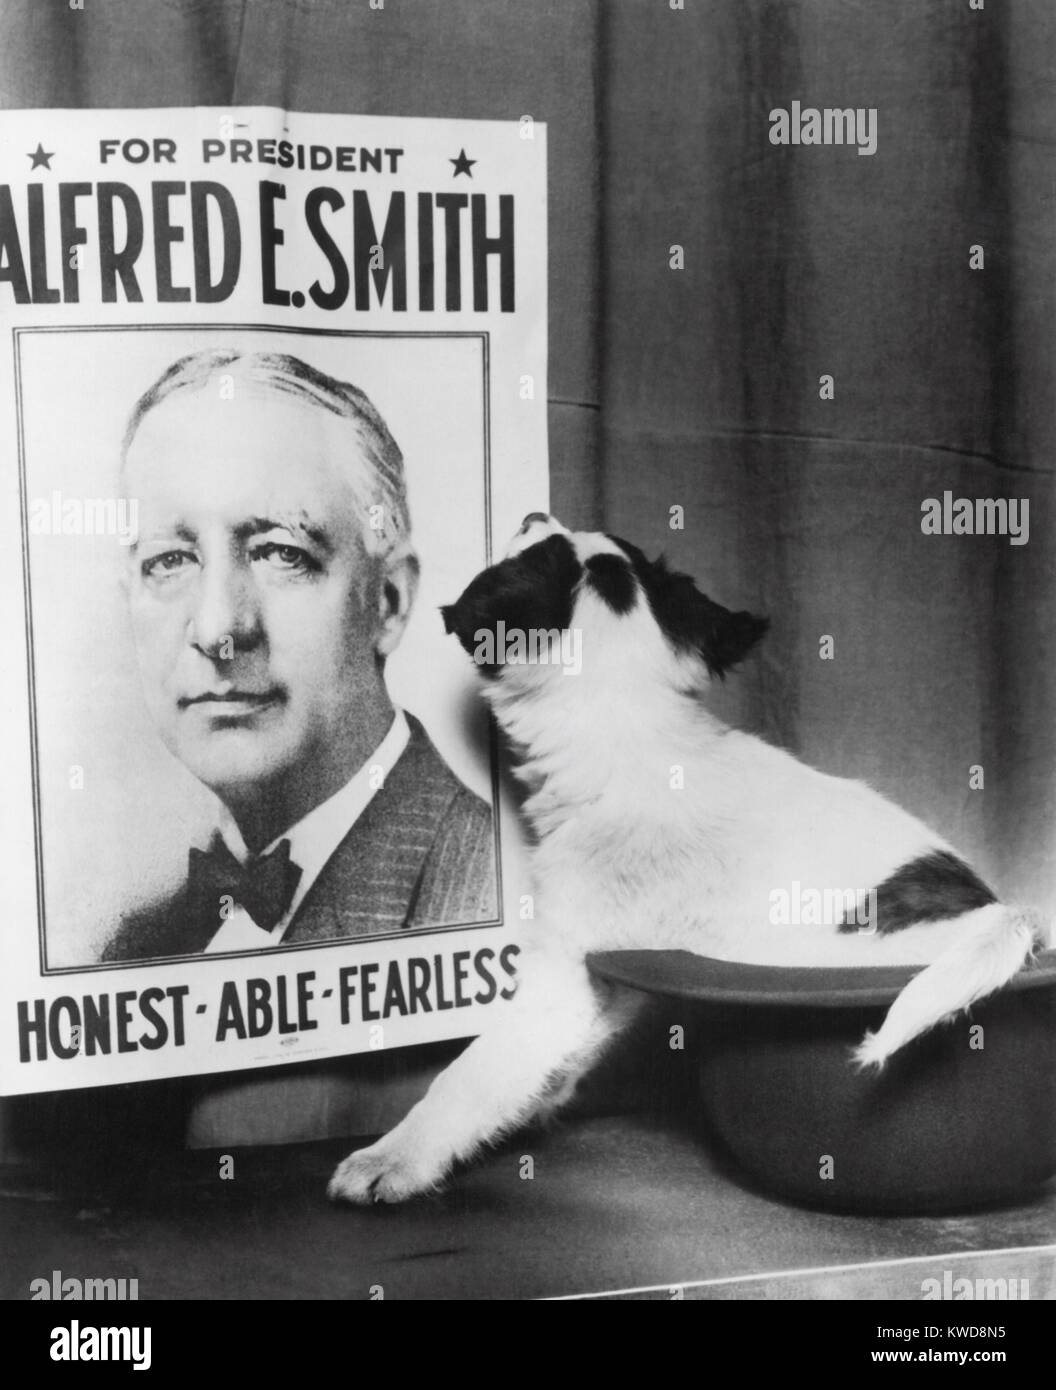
x=256 y=611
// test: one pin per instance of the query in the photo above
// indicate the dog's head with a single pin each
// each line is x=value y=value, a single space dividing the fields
x=561 y=601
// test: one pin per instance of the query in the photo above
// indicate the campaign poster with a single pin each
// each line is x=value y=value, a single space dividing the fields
x=272 y=392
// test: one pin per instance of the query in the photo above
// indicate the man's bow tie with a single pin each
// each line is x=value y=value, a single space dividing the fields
x=264 y=886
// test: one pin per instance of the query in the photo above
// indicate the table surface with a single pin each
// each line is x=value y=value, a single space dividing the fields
x=632 y=1206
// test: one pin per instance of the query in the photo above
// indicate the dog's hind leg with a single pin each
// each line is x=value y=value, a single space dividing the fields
x=557 y=1025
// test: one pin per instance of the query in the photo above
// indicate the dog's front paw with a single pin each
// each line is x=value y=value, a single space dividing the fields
x=385 y=1172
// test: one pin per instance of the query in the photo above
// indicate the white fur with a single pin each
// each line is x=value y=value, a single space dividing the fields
x=623 y=860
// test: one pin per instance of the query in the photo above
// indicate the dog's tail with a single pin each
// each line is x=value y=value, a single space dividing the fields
x=995 y=944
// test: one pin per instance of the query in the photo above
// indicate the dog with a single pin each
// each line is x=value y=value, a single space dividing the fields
x=655 y=825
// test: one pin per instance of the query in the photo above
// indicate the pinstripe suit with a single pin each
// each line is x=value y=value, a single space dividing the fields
x=422 y=854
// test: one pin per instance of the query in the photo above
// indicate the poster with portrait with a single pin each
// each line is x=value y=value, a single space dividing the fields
x=272 y=392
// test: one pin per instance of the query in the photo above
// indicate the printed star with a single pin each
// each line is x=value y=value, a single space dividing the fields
x=462 y=164
x=39 y=158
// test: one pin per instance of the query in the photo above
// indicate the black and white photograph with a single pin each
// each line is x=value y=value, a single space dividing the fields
x=269 y=690
x=529 y=725
x=267 y=819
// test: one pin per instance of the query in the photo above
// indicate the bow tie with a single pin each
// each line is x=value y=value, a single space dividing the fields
x=264 y=886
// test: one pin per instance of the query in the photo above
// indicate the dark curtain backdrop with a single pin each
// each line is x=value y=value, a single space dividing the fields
x=806 y=261
x=699 y=387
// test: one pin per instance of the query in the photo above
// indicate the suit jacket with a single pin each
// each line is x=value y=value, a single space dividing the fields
x=422 y=854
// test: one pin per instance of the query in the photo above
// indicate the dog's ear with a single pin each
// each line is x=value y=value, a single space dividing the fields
x=611 y=578
x=531 y=590
x=689 y=619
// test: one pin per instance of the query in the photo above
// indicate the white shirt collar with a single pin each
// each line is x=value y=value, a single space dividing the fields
x=313 y=839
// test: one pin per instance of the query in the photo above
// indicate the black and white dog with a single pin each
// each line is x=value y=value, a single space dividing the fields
x=657 y=826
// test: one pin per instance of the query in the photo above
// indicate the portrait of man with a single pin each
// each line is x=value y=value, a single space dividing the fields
x=271 y=576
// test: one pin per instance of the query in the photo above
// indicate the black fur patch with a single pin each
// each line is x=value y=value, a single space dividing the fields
x=531 y=590
x=612 y=579
x=930 y=889
x=689 y=619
